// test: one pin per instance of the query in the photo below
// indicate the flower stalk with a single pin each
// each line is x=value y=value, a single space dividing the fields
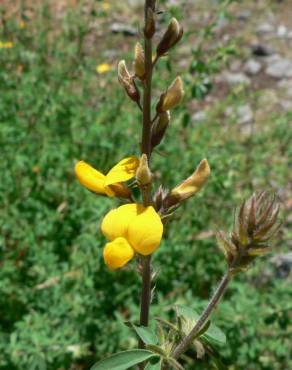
x=146 y=149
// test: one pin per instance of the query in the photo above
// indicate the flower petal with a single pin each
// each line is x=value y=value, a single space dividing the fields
x=122 y=171
x=91 y=178
x=115 y=223
x=117 y=253
x=145 y=230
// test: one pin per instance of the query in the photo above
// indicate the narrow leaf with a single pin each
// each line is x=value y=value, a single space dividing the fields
x=123 y=360
x=146 y=334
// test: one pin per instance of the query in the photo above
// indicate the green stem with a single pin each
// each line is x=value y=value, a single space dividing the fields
x=186 y=341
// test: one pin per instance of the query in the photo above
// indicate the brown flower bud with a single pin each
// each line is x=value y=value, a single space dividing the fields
x=171 y=37
x=150 y=27
x=255 y=225
x=127 y=81
x=172 y=97
x=159 y=128
x=143 y=173
x=139 y=61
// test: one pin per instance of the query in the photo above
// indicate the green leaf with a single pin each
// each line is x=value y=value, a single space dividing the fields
x=146 y=334
x=123 y=360
x=153 y=366
x=213 y=333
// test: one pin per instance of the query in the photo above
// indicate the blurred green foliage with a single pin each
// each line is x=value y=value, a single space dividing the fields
x=60 y=308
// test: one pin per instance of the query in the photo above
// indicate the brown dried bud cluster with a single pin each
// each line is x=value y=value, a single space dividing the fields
x=256 y=224
x=172 y=97
x=171 y=37
x=127 y=81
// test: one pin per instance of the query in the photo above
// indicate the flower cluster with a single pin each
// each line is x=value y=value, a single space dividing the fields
x=135 y=228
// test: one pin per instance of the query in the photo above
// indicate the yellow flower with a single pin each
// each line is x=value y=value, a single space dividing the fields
x=103 y=68
x=6 y=44
x=105 y=5
x=130 y=228
x=109 y=184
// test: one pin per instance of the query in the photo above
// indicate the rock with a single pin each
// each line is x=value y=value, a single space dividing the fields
x=252 y=67
x=199 y=116
x=243 y=113
x=265 y=28
x=286 y=105
x=282 y=31
x=135 y=3
x=283 y=264
x=280 y=68
x=123 y=28
x=260 y=50
x=235 y=65
x=236 y=78
x=244 y=15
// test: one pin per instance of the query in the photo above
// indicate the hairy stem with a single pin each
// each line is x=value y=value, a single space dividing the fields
x=146 y=134
x=186 y=342
x=146 y=149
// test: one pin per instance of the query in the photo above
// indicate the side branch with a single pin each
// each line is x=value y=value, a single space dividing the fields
x=186 y=342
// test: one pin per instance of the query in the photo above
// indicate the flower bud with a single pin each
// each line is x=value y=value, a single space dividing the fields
x=149 y=29
x=172 y=97
x=139 y=61
x=159 y=128
x=143 y=174
x=255 y=225
x=194 y=183
x=127 y=81
x=171 y=37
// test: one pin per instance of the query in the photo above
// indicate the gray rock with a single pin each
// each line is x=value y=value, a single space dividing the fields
x=199 y=116
x=252 y=67
x=236 y=78
x=280 y=68
x=243 y=114
x=244 y=15
x=135 y=3
x=123 y=28
x=283 y=264
x=265 y=28
x=282 y=31
x=286 y=105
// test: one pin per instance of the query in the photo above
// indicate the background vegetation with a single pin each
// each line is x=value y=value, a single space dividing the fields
x=60 y=308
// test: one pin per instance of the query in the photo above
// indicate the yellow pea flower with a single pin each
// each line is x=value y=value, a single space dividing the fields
x=103 y=68
x=130 y=228
x=6 y=44
x=109 y=184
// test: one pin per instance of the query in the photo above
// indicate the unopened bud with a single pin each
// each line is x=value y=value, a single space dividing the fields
x=149 y=29
x=172 y=97
x=127 y=81
x=159 y=128
x=143 y=173
x=194 y=183
x=171 y=37
x=139 y=61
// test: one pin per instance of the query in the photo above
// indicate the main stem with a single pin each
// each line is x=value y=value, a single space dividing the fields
x=185 y=343
x=146 y=149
